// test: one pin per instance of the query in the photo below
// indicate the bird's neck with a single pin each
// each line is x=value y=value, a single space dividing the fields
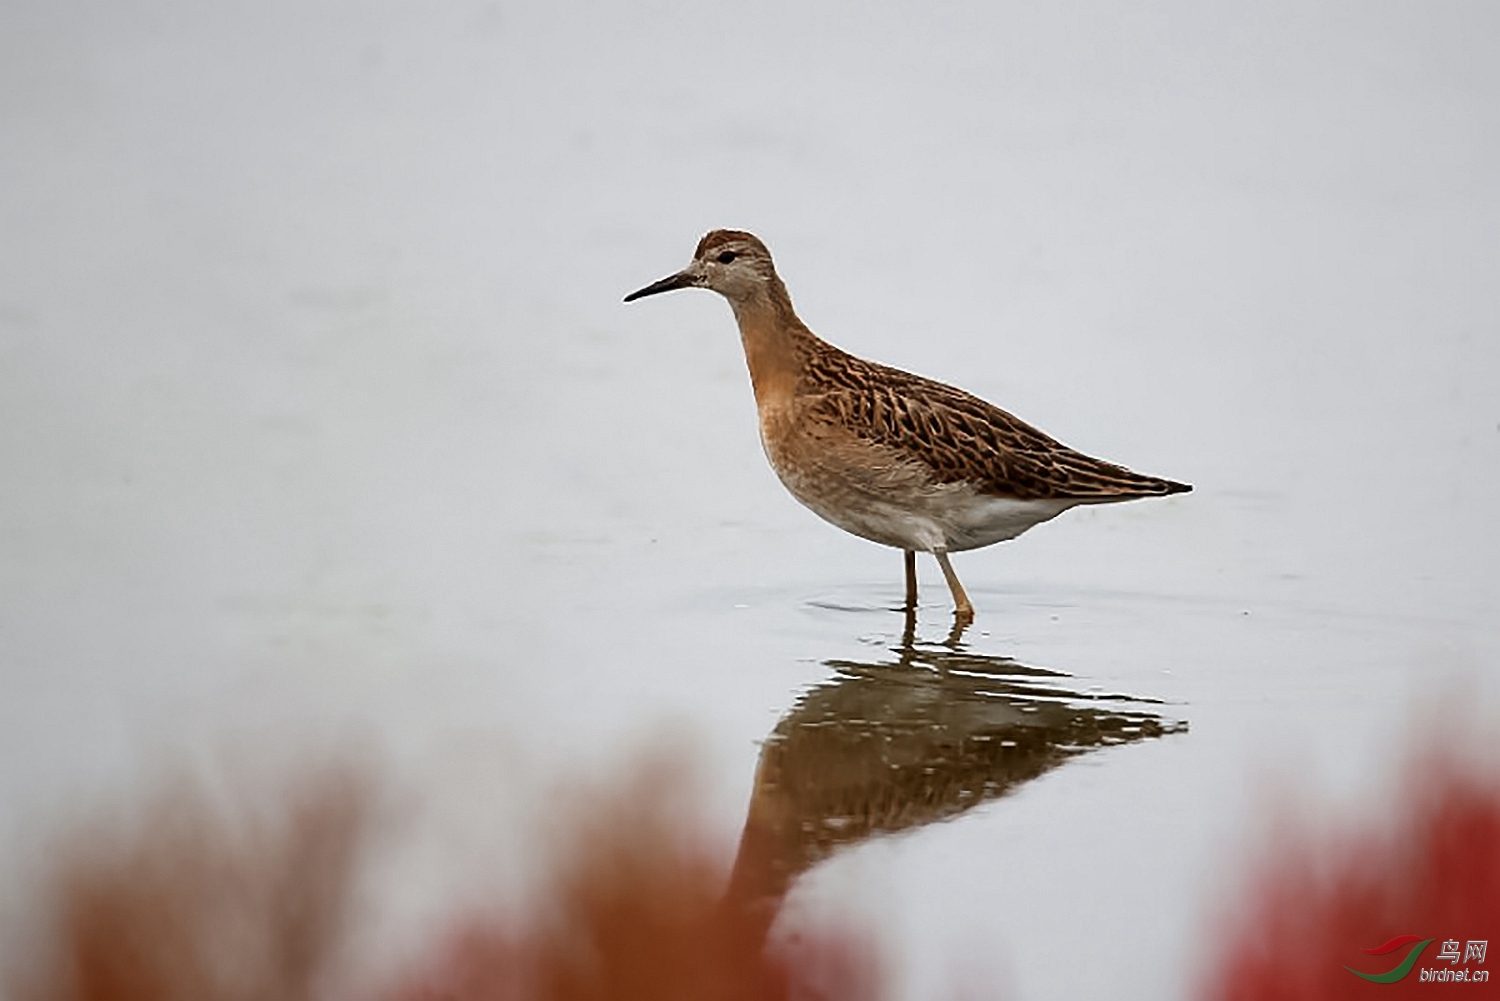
x=775 y=343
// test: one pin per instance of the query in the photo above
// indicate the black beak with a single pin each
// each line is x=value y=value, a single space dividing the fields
x=682 y=279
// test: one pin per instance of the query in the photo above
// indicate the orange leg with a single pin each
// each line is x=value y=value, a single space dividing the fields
x=963 y=611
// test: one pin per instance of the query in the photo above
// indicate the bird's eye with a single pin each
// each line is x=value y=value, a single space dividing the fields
x=727 y=256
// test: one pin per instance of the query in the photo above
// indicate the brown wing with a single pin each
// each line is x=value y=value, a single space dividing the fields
x=963 y=439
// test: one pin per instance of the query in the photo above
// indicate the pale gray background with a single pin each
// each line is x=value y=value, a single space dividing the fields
x=319 y=409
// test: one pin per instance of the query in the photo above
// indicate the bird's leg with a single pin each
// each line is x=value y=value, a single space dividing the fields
x=911 y=580
x=963 y=611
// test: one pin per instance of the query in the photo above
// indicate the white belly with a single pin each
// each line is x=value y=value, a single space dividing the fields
x=951 y=517
x=982 y=521
x=887 y=497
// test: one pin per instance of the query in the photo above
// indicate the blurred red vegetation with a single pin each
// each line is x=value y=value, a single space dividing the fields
x=203 y=900
x=1432 y=869
x=201 y=903
x=206 y=899
x=637 y=911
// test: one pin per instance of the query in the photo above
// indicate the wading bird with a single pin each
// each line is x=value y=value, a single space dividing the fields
x=890 y=456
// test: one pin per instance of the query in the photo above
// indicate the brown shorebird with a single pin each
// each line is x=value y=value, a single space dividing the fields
x=890 y=456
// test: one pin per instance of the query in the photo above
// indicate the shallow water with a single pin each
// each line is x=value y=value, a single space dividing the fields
x=320 y=414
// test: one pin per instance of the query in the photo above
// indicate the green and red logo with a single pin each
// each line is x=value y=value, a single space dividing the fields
x=1474 y=949
x=1402 y=969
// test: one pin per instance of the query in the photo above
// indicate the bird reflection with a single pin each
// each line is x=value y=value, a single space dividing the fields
x=896 y=744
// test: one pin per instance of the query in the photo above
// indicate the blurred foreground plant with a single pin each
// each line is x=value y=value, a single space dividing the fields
x=211 y=894
x=200 y=900
x=1321 y=906
x=636 y=911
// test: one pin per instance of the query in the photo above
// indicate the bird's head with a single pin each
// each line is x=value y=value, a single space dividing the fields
x=733 y=263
